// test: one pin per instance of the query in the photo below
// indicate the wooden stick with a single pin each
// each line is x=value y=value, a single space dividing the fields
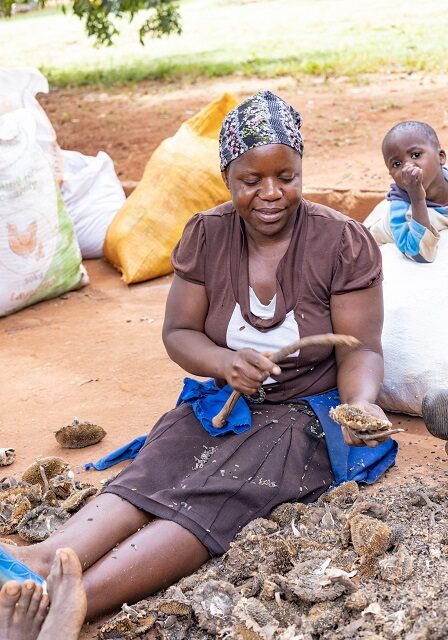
x=363 y=435
x=334 y=339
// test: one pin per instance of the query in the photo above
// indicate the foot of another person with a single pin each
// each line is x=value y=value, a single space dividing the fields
x=68 y=602
x=23 y=608
x=435 y=413
x=25 y=613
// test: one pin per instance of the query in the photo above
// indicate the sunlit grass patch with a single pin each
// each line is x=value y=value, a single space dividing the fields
x=263 y=38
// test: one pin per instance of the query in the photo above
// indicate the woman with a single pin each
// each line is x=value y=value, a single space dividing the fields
x=250 y=276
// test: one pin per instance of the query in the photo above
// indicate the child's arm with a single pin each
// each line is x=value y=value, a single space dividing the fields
x=416 y=238
x=378 y=223
x=412 y=238
x=389 y=223
x=412 y=179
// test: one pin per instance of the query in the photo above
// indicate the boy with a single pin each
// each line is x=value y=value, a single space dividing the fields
x=413 y=213
x=416 y=207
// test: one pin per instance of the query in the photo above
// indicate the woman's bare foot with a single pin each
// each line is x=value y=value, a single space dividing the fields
x=68 y=602
x=33 y=556
x=22 y=610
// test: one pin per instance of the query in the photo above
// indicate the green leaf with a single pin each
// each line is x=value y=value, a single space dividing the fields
x=99 y=16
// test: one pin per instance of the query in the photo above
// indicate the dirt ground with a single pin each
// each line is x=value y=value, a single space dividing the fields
x=97 y=353
x=343 y=123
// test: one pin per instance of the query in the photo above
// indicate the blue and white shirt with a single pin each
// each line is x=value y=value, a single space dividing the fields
x=392 y=221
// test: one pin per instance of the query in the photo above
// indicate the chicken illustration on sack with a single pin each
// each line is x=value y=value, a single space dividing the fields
x=39 y=255
x=91 y=191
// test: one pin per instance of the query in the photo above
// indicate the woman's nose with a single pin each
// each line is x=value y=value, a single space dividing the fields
x=270 y=189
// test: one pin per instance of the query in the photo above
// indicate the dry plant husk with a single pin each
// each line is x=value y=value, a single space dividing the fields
x=7 y=456
x=357 y=420
x=37 y=508
x=39 y=523
x=16 y=500
x=79 y=434
x=43 y=469
x=355 y=564
x=362 y=424
x=77 y=498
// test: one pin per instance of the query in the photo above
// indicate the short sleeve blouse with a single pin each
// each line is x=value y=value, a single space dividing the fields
x=329 y=254
x=359 y=260
x=188 y=257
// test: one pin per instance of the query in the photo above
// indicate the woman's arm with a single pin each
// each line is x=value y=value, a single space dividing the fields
x=186 y=343
x=360 y=371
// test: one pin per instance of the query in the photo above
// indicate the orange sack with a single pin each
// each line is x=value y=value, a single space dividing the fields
x=181 y=178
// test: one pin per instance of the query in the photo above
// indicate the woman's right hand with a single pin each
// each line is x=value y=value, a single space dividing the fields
x=246 y=369
x=355 y=439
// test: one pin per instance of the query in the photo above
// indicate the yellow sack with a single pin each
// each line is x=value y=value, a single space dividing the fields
x=181 y=178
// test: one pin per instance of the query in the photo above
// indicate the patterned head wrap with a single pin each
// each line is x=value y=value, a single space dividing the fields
x=261 y=119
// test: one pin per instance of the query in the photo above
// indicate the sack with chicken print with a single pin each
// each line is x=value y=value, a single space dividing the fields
x=39 y=254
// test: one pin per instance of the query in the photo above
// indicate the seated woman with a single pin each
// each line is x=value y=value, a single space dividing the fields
x=251 y=275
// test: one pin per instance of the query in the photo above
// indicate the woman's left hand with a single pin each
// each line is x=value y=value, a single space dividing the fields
x=352 y=438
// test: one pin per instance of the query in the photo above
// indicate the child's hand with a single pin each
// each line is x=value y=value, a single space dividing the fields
x=412 y=177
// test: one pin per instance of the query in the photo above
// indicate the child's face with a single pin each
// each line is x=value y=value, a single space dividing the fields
x=413 y=147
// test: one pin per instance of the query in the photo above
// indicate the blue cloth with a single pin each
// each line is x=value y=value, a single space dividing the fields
x=128 y=451
x=362 y=464
x=207 y=400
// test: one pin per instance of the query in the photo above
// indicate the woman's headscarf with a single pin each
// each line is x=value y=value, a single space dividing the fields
x=261 y=119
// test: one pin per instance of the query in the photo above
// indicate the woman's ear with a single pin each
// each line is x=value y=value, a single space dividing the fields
x=442 y=156
x=225 y=177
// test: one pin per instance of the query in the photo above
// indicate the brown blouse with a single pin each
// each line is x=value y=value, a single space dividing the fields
x=329 y=254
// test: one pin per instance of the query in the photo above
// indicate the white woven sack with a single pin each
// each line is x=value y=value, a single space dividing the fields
x=91 y=190
x=39 y=255
x=92 y=195
x=415 y=335
x=18 y=88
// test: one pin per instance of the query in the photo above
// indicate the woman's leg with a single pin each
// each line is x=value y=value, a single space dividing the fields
x=91 y=532
x=150 y=560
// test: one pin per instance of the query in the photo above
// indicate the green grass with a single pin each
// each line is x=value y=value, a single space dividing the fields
x=257 y=37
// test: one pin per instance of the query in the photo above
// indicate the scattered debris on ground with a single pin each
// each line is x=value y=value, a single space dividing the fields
x=42 y=500
x=79 y=434
x=371 y=566
x=39 y=523
x=7 y=456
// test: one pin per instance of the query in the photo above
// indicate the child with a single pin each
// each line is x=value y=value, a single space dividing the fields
x=413 y=213
x=416 y=207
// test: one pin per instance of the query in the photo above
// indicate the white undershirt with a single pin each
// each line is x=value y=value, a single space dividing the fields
x=242 y=335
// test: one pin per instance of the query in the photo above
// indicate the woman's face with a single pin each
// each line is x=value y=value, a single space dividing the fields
x=266 y=187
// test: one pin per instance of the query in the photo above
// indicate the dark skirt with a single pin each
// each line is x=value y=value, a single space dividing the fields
x=214 y=486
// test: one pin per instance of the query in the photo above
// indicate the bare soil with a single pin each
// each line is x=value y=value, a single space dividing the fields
x=97 y=354
x=343 y=123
